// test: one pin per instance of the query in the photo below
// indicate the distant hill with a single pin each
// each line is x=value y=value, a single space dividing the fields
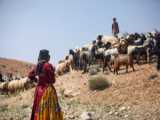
x=14 y=66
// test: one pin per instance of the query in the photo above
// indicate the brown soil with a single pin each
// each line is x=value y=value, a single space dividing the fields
x=140 y=90
x=14 y=66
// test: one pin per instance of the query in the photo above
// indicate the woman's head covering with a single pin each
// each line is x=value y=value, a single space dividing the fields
x=42 y=59
x=43 y=55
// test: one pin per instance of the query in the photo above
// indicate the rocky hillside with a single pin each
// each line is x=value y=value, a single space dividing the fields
x=131 y=96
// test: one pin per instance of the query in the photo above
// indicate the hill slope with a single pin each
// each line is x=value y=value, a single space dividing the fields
x=14 y=66
x=132 y=96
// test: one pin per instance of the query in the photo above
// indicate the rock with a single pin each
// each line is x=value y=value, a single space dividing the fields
x=122 y=109
x=116 y=113
x=71 y=117
x=67 y=93
x=128 y=107
x=126 y=116
x=93 y=70
x=76 y=93
x=86 y=116
x=70 y=93
x=110 y=113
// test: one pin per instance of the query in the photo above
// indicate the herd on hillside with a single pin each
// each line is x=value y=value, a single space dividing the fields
x=107 y=51
x=113 y=52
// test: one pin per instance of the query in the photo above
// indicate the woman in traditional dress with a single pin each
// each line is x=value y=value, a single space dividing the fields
x=45 y=106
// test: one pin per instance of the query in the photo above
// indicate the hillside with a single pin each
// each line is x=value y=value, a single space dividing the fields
x=131 y=96
x=14 y=66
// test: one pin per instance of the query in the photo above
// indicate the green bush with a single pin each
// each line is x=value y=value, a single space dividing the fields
x=98 y=83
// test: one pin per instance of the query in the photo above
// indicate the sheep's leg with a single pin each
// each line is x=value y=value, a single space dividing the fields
x=132 y=67
x=126 y=68
x=104 y=65
x=148 y=55
x=104 y=68
x=70 y=68
x=109 y=67
x=117 y=72
x=114 y=71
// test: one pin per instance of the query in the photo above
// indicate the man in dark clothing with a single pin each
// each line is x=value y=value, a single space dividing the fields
x=115 y=27
x=99 y=41
x=93 y=50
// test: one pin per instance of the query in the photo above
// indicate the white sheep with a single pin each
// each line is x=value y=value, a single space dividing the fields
x=113 y=40
x=15 y=85
x=62 y=67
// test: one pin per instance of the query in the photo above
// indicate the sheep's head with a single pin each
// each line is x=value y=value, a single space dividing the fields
x=29 y=83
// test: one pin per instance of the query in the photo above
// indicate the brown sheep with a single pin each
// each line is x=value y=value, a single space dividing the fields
x=62 y=67
x=120 y=60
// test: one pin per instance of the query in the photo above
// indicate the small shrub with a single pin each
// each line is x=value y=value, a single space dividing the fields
x=4 y=66
x=24 y=106
x=98 y=83
x=3 y=108
x=152 y=76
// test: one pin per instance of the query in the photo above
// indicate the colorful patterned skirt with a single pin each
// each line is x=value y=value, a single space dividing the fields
x=46 y=106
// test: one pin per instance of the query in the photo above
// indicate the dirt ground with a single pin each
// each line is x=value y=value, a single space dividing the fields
x=14 y=66
x=131 y=96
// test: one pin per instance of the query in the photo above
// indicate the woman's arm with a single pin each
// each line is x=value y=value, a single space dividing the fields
x=32 y=74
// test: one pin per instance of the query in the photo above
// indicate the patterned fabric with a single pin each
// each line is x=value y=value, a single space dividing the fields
x=48 y=108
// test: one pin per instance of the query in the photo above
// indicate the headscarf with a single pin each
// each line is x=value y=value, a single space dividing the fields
x=42 y=58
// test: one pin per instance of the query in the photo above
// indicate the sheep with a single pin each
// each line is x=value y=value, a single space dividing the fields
x=109 y=57
x=122 y=46
x=137 y=52
x=99 y=53
x=122 y=60
x=3 y=86
x=85 y=59
x=70 y=62
x=131 y=49
x=76 y=58
x=113 y=40
x=16 y=85
x=62 y=67
x=87 y=46
x=111 y=51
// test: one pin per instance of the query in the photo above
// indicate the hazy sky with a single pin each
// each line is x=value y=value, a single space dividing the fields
x=26 y=26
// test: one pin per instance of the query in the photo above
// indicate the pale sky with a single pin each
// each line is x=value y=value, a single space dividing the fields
x=26 y=26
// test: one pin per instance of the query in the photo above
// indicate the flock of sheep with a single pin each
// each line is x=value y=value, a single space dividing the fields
x=107 y=51
x=112 y=52
x=15 y=85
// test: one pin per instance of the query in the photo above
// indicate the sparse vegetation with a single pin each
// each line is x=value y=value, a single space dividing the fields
x=98 y=82
x=152 y=76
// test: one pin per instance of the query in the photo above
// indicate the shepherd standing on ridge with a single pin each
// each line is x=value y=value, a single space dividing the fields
x=115 y=27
